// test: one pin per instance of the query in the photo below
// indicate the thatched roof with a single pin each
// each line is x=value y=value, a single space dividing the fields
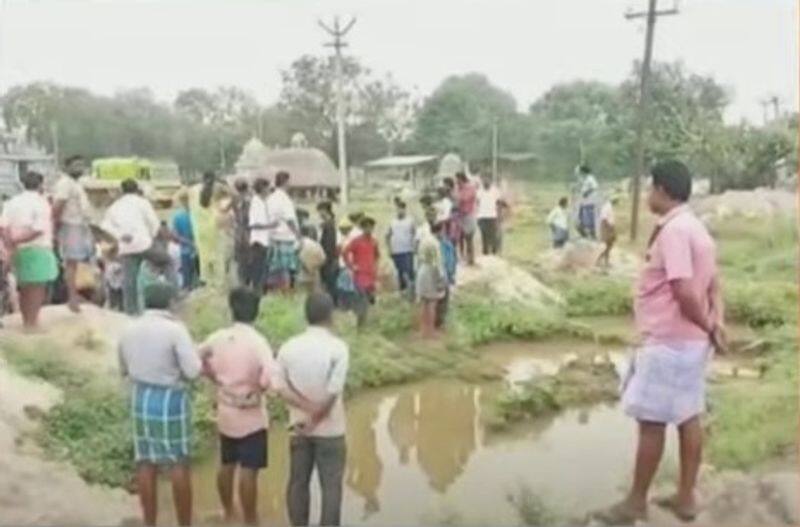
x=308 y=167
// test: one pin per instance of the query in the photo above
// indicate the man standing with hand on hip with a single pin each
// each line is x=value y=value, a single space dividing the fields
x=679 y=316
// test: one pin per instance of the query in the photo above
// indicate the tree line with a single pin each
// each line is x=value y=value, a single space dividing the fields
x=580 y=121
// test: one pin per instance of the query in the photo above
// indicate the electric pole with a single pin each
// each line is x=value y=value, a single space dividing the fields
x=651 y=14
x=495 y=177
x=338 y=32
x=776 y=104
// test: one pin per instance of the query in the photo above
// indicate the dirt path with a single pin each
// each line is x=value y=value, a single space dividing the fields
x=38 y=492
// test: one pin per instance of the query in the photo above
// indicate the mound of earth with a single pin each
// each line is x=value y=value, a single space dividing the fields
x=761 y=202
x=93 y=334
x=38 y=492
x=580 y=257
x=507 y=282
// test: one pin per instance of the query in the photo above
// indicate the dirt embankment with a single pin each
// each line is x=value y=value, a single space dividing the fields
x=34 y=491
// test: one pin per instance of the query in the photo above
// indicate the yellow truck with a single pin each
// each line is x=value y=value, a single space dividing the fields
x=159 y=180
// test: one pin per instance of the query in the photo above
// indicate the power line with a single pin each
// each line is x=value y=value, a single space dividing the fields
x=651 y=14
x=338 y=32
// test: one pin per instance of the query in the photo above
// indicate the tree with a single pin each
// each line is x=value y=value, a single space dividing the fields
x=379 y=112
x=459 y=114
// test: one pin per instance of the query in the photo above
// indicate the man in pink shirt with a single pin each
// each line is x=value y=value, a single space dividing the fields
x=239 y=361
x=679 y=317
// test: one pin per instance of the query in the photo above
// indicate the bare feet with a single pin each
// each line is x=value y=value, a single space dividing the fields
x=684 y=511
x=622 y=513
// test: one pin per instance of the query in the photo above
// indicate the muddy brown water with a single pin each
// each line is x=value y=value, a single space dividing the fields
x=420 y=454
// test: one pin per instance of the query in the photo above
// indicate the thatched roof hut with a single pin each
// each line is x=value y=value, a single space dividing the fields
x=311 y=170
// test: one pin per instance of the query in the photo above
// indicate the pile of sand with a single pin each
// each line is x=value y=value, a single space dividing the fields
x=507 y=282
x=580 y=257
x=761 y=202
x=38 y=492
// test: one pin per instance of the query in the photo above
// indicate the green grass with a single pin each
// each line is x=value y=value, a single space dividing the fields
x=755 y=421
x=91 y=427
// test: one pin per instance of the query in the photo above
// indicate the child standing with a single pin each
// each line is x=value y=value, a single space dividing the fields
x=449 y=265
x=431 y=284
x=312 y=370
x=361 y=256
x=157 y=355
x=113 y=277
x=608 y=230
x=239 y=361
x=558 y=222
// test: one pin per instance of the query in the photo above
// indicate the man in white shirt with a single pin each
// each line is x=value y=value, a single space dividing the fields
x=401 y=240
x=284 y=235
x=487 y=202
x=608 y=230
x=134 y=224
x=587 y=206
x=71 y=211
x=259 y=236
x=312 y=370
x=27 y=218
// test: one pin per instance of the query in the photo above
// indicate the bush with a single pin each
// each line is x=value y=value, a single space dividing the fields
x=760 y=304
x=598 y=296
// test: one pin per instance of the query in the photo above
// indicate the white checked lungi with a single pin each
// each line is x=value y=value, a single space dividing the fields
x=666 y=383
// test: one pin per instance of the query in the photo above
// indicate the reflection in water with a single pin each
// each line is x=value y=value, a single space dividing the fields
x=419 y=449
x=364 y=467
x=446 y=431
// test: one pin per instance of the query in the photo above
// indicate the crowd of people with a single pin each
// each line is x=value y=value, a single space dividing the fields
x=590 y=225
x=248 y=241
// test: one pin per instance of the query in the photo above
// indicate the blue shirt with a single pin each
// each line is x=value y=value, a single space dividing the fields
x=182 y=225
x=449 y=259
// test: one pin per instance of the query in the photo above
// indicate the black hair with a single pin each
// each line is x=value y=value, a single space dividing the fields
x=244 y=304
x=426 y=200
x=400 y=204
x=281 y=178
x=355 y=217
x=563 y=202
x=365 y=222
x=206 y=193
x=448 y=183
x=325 y=206
x=31 y=180
x=129 y=186
x=241 y=185
x=585 y=169
x=436 y=227
x=260 y=185
x=159 y=295
x=319 y=308
x=302 y=213
x=461 y=176
x=77 y=157
x=674 y=178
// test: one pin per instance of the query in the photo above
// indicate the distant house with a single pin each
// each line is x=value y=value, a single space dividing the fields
x=312 y=173
x=417 y=171
x=17 y=157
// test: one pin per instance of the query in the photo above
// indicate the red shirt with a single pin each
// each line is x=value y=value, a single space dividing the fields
x=467 y=197
x=361 y=256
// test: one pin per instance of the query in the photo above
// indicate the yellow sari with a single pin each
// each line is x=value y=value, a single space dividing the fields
x=209 y=235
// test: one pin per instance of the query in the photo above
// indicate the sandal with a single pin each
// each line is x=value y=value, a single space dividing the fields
x=620 y=514
x=671 y=504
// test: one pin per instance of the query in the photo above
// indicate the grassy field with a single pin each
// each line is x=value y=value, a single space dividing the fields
x=751 y=421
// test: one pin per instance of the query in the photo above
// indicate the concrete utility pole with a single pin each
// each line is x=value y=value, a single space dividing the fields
x=776 y=104
x=651 y=14
x=495 y=176
x=338 y=32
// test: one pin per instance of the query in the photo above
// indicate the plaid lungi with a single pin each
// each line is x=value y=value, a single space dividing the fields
x=666 y=383
x=162 y=422
x=283 y=257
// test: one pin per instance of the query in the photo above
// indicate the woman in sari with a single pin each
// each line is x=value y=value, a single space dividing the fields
x=209 y=206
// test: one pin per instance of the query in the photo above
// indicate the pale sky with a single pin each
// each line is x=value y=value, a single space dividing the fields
x=524 y=46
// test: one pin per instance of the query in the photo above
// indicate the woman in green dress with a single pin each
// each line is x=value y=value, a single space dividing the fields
x=209 y=208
